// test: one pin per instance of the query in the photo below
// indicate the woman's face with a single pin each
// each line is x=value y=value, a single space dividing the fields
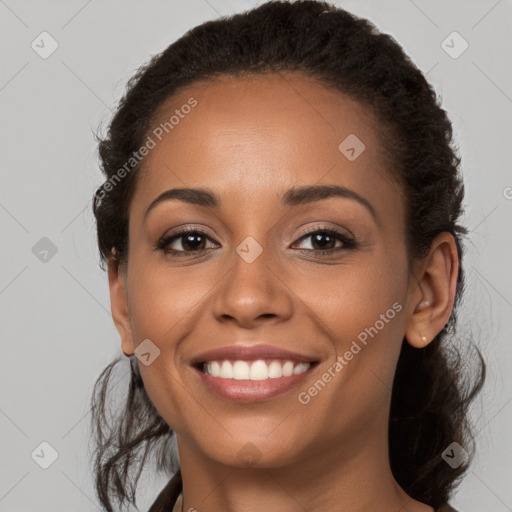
x=253 y=272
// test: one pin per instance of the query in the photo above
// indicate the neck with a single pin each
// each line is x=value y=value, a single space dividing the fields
x=356 y=477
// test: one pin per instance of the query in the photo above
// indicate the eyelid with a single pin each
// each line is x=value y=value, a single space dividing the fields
x=187 y=228
x=314 y=229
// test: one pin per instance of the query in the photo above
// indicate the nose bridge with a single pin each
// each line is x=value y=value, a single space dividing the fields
x=252 y=288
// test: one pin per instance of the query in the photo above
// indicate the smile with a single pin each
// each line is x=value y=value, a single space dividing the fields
x=251 y=373
x=254 y=370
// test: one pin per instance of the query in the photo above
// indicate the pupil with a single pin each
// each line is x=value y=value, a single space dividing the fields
x=318 y=237
x=189 y=241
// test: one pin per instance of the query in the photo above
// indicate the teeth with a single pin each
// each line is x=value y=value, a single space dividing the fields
x=214 y=368
x=275 y=370
x=257 y=370
x=300 y=368
x=288 y=369
x=240 y=370
x=226 y=370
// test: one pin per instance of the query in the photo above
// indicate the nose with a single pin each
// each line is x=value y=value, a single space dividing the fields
x=253 y=293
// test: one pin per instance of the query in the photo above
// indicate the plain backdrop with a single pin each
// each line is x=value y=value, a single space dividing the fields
x=56 y=330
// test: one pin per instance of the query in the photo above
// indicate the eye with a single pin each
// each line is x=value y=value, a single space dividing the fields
x=184 y=241
x=323 y=241
x=193 y=241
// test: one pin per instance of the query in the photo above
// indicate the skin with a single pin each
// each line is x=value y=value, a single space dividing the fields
x=249 y=141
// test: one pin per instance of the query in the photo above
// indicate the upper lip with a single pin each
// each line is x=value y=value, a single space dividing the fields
x=250 y=353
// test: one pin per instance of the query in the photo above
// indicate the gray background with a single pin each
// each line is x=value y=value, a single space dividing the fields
x=56 y=329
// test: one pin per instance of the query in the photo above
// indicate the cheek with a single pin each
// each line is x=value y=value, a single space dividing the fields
x=354 y=297
x=362 y=306
x=156 y=308
x=163 y=299
x=165 y=307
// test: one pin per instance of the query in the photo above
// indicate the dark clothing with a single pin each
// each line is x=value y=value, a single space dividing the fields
x=168 y=495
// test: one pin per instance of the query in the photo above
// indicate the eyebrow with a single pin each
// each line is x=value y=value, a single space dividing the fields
x=294 y=196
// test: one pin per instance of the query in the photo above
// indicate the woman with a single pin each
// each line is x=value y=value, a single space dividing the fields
x=280 y=222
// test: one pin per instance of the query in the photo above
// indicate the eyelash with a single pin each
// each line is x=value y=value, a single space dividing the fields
x=349 y=243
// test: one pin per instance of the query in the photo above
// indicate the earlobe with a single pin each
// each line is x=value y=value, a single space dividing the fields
x=431 y=303
x=119 y=304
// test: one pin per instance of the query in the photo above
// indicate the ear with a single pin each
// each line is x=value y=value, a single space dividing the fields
x=431 y=301
x=119 y=303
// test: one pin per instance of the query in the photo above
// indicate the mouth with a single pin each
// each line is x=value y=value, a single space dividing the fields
x=258 y=370
x=251 y=374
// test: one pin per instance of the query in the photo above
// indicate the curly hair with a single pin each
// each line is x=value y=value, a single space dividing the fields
x=433 y=387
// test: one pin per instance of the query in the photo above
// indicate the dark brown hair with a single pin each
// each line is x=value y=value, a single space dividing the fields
x=433 y=386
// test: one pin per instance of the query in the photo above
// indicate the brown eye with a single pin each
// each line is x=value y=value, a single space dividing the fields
x=323 y=241
x=185 y=241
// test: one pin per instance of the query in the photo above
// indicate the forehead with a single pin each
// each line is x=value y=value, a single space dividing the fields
x=250 y=136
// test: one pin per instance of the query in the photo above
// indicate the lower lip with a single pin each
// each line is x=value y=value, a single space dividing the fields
x=251 y=390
